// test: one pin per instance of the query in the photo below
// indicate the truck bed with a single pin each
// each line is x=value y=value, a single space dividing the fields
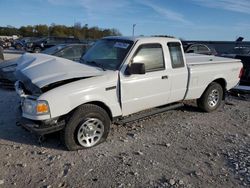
x=197 y=59
x=204 y=69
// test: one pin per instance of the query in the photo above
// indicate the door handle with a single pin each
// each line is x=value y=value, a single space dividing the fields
x=164 y=77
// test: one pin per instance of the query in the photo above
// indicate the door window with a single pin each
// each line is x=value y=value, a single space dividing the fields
x=151 y=55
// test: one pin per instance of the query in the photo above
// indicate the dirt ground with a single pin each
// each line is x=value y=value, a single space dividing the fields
x=178 y=148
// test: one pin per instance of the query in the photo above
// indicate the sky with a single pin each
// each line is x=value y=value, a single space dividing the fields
x=186 y=19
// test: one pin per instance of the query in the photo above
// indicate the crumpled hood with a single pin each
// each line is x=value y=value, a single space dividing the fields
x=44 y=69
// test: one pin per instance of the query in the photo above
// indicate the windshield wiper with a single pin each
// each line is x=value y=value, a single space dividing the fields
x=97 y=64
x=93 y=63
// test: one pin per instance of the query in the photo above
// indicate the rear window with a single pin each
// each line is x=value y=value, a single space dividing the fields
x=176 y=55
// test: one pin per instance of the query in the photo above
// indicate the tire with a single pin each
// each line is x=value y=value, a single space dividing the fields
x=88 y=126
x=211 y=99
x=37 y=50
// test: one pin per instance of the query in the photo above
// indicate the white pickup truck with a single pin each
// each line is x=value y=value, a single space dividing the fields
x=117 y=77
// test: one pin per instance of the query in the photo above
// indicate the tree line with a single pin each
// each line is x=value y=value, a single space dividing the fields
x=77 y=31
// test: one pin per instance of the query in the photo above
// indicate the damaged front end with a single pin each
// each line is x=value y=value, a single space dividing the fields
x=38 y=74
x=33 y=114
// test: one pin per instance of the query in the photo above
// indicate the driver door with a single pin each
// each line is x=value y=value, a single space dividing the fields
x=144 y=91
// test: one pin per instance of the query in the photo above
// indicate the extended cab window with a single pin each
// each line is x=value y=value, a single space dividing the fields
x=176 y=54
x=151 y=55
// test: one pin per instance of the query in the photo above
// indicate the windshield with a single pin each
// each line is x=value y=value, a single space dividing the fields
x=54 y=49
x=107 y=53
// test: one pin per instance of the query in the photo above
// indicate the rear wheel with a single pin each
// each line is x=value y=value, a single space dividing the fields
x=211 y=98
x=88 y=127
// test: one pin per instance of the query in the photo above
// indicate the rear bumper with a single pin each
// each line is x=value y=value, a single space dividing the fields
x=39 y=127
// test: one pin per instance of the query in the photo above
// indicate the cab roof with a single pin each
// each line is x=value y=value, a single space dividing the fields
x=134 y=39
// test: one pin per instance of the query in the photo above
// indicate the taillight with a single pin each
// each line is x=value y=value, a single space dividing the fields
x=241 y=72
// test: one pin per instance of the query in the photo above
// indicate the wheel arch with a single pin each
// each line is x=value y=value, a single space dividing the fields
x=223 y=84
x=203 y=101
x=104 y=106
x=97 y=103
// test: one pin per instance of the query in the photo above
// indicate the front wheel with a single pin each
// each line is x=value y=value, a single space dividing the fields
x=211 y=98
x=88 y=126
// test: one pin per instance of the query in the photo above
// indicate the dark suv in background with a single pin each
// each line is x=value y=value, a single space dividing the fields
x=47 y=42
x=242 y=53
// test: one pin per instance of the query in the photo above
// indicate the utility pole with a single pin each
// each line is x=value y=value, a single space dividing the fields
x=74 y=32
x=49 y=31
x=134 y=29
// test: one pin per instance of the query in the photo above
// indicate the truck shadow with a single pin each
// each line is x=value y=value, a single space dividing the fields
x=21 y=136
x=190 y=108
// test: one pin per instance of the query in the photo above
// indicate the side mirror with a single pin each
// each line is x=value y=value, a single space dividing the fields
x=136 y=68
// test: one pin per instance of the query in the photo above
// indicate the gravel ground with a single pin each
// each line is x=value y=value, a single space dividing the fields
x=179 y=148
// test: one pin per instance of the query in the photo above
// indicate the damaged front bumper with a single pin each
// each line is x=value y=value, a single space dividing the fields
x=39 y=127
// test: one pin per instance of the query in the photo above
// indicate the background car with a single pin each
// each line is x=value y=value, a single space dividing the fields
x=47 y=42
x=200 y=49
x=20 y=44
x=244 y=83
x=68 y=51
x=242 y=53
x=245 y=77
x=239 y=50
x=4 y=44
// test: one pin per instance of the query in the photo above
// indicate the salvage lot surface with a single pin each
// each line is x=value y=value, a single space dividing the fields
x=179 y=148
